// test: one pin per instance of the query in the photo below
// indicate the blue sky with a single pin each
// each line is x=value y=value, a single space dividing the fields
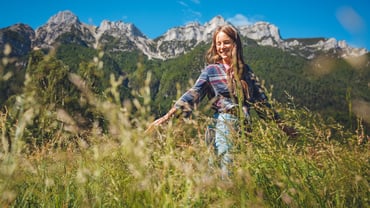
x=342 y=19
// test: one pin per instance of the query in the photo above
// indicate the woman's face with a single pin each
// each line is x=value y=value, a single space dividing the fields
x=224 y=47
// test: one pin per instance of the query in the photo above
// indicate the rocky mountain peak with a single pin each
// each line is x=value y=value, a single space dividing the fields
x=128 y=29
x=127 y=35
x=262 y=32
x=63 y=17
x=20 y=27
x=64 y=22
x=213 y=24
x=187 y=37
x=194 y=30
x=19 y=37
x=216 y=21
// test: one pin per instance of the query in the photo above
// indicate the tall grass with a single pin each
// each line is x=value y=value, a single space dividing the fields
x=323 y=167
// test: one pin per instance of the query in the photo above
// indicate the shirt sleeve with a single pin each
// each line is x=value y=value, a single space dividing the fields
x=195 y=94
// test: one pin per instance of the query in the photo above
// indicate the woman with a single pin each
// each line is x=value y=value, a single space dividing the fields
x=231 y=86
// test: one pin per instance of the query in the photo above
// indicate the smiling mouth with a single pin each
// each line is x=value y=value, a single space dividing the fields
x=224 y=53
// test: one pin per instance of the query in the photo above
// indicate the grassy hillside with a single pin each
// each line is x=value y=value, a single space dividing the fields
x=118 y=165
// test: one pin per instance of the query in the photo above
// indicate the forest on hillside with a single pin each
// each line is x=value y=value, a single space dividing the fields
x=336 y=88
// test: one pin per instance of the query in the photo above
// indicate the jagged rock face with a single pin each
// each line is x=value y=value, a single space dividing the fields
x=114 y=36
x=309 y=47
x=65 y=27
x=19 y=37
x=179 y=40
x=119 y=36
x=120 y=28
x=262 y=32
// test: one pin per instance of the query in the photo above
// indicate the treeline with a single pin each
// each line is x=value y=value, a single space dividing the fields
x=326 y=84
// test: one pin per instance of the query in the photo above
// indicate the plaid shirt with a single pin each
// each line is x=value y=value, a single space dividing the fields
x=212 y=82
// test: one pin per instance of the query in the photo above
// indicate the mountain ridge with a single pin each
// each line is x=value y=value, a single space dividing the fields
x=117 y=36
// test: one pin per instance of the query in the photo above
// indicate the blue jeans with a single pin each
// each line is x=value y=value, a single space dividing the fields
x=220 y=135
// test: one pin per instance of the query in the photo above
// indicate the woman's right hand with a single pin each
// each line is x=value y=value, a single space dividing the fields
x=160 y=120
x=155 y=123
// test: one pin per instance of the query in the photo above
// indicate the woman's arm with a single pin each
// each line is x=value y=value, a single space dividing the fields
x=187 y=100
x=161 y=120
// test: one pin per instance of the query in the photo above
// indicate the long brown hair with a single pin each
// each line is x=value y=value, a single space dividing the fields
x=212 y=56
x=238 y=65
